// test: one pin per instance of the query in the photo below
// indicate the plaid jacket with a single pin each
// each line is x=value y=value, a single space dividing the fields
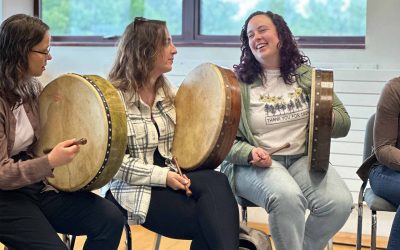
x=131 y=186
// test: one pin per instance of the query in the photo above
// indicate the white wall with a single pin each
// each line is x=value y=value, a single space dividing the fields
x=359 y=77
x=11 y=7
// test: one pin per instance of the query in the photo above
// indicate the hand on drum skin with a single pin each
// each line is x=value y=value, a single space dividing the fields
x=63 y=153
x=260 y=158
x=176 y=182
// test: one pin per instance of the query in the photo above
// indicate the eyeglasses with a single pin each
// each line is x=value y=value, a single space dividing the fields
x=46 y=53
x=138 y=20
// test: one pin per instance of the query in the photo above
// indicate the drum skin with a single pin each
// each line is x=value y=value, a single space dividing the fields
x=320 y=125
x=78 y=106
x=207 y=113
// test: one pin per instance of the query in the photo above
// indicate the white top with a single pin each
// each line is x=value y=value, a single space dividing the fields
x=23 y=132
x=279 y=113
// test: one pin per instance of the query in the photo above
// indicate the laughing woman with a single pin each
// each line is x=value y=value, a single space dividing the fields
x=273 y=71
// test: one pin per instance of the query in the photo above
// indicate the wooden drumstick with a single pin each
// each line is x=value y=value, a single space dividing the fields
x=81 y=141
x=272 y=151
x=188 y=191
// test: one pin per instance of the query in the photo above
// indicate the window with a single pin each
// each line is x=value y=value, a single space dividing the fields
x=315 y=23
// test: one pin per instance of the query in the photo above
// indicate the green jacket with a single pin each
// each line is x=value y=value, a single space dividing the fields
x=245 y=142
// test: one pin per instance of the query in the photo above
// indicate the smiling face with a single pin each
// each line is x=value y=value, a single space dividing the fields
x=264 y=41
x=38 y=56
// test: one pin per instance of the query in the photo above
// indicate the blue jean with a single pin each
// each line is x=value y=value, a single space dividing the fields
x=286 y=190
x=385 y=182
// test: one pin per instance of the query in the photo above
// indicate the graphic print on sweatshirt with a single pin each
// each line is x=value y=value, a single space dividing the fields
x=281 y=109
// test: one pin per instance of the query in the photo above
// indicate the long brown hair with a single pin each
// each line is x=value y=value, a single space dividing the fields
x=18 y=35
x=138 y=48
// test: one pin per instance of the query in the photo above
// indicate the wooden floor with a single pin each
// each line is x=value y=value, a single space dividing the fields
x=142 y=239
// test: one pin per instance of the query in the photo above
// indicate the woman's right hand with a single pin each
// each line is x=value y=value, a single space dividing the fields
x=63 y=153
x=260 y=158
x=176 y=182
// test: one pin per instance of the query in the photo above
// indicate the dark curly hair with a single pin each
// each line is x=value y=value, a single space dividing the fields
x=249 y=69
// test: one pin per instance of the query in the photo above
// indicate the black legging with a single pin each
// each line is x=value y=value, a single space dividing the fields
x=209 y=217
x=30 y=219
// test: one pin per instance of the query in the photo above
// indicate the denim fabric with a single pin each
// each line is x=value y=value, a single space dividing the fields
x=286 y=190
x=385 y=182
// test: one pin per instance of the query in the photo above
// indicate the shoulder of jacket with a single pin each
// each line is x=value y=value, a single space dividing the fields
x=304 y=72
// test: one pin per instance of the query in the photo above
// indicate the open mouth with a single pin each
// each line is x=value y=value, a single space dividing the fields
x=261 y=45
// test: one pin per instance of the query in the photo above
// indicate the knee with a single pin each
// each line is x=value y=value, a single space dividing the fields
x=220 y=178
x=338 y=207
x=215 y=179
x=287 y=200
x=223 y=179
x=113 y=217
x=344 y=205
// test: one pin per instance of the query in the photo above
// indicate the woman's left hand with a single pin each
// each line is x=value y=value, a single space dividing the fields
x=176 y=182
x=260 y=158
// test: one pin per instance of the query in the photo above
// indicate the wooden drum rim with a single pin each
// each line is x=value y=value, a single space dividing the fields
x=225 y=118
x=320 y=124
x=230 y=122
x=102 y=120
x=109 y=130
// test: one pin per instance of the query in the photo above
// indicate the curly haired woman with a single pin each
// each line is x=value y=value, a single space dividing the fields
x=275 y=80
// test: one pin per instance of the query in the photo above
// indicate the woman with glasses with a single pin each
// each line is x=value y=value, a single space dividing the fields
x=275 y=83
x=32 y=211
x=147 y=187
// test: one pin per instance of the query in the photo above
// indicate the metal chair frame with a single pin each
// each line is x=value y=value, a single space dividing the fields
x=386 y=206
x=69 y=240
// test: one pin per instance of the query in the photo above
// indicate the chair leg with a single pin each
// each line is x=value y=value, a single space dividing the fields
x=69 y=241
x=66 y=240
x=373 y=230
x=359 y=226
x=128 y=241
x=73 y=238
x=128 y=236
x=244 y=214
x=330 y=244
x=158 y=242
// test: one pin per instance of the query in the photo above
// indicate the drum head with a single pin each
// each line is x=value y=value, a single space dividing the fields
x=72 y=107
x=203 y=103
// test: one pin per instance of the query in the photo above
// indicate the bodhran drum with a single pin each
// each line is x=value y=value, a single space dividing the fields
x=83 y=106
x=207 y=112
x=320 y=125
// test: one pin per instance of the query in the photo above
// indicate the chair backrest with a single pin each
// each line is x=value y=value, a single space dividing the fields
x=369 y=137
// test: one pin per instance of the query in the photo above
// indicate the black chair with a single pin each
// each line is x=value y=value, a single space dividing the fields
x=373 y=201
x=244 y=204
